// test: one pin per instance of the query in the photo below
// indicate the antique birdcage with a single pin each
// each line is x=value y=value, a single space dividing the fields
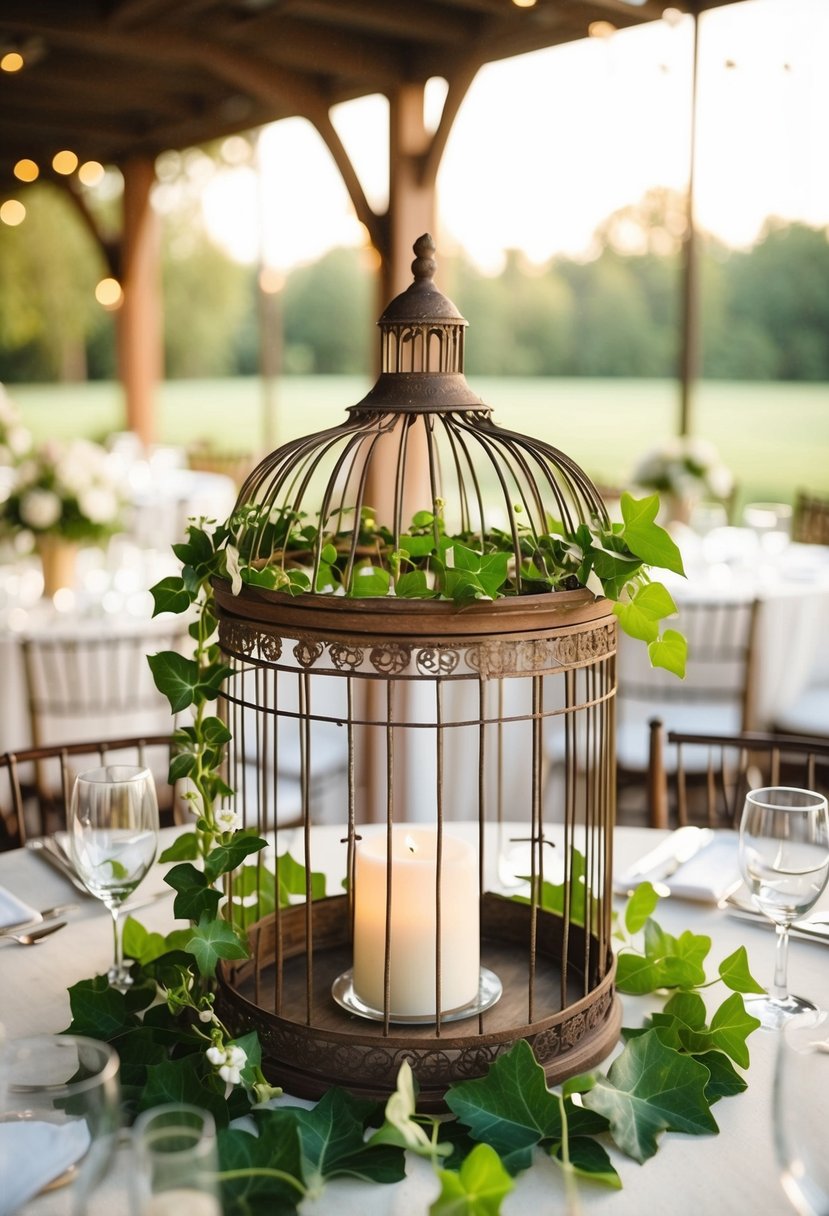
x=448 y=763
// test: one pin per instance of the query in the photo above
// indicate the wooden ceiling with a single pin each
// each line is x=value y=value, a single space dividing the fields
x=112 y=79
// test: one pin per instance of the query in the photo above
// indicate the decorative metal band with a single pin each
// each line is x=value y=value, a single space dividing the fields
x=376 y=1064
x=493 y=658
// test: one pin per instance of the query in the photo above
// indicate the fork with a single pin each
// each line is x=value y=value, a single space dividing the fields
x=32 y=936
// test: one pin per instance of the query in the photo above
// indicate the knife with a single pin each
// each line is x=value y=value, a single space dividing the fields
x=805 y=930
x=666 y=858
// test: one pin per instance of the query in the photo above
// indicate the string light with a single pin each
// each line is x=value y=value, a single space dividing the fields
x=26 y=171
x=64 y=162
x=12 y=212
x=91 y=172
x=12 y=61
x=109 y=294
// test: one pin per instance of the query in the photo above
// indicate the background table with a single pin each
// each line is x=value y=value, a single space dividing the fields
x=734 y=1172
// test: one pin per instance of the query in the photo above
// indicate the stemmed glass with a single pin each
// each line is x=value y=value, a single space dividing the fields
x=175 y=1162
x=113 y=838
x=784 y=860
x=800 y=1108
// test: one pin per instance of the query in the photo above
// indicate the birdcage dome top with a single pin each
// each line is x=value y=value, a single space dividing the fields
x=370 y=506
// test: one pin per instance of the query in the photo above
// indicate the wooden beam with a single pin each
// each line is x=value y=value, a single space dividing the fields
x=139 y=318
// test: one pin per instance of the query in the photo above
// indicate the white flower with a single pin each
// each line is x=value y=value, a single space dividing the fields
x=230 y=1061
x=40 y=509
x=216 y=1055
x=207 y=1015
x=99 y=504
x=228 y=820
x=18 y=440
x=232 y=566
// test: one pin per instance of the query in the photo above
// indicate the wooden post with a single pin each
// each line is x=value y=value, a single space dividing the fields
x=690 y=342
x=140 y=349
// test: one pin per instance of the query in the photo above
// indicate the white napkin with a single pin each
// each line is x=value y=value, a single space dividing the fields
x=711 y=873
x=14 y=911
x=33 y=1154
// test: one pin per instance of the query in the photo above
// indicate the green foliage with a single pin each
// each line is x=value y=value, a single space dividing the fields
x=289 y=553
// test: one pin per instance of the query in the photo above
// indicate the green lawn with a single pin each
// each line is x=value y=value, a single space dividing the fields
x=774 y=437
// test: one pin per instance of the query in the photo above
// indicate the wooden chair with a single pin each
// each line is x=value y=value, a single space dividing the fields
x=704 y=777
x=716 y=695
x=27 y=811
x=810 y=519
x=85 y=686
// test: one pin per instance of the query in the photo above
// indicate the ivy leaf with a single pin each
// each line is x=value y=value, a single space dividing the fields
x=332 y=1140
x=195 y=897
x=730 y=1027
x=170 y=595
x=735 y=974
x=671 y=652
x=635 y=974
x=679 y=960
x=291 y=875
x=176 y=677
x=589 y=1159
x=640 y=906
x=98 y=1010
x=139 y=944
x=649 y=1089
x=476 y=1189
x=413 y=586
x=226 y=857
x=369 y=581
x=724 y=1081
x=256 y=1171
x=510 y=1108
x=189 y=1080
x=640 y=615
x=644 y=537
x=184 y=848
x=212 y=940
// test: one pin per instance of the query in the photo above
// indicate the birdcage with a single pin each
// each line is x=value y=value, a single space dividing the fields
x=447 y=762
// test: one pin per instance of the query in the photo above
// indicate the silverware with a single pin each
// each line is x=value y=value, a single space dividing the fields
x=49 y=850
x=32 y=936
x=814 y=928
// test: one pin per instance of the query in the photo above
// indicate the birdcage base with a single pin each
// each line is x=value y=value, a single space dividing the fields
x=309 y=1042
x=489 y=991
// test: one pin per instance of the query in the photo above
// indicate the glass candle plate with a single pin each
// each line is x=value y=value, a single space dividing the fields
x=489 y=991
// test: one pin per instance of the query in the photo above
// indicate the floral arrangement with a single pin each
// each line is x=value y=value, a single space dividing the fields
x=685 y=467
x=15 y=439
x=64 y=489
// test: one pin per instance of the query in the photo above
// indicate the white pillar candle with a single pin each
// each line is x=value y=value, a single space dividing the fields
x=413 y=922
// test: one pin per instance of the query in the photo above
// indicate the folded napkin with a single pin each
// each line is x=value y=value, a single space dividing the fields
x=711 y=873
x=692 y=863
x=33 y=1154
x=14 y=911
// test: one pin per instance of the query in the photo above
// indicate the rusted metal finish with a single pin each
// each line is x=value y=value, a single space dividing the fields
x=348 y=712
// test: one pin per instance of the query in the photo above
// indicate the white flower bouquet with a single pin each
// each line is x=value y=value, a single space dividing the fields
x=68 y=490
x=685 y=467
x=15 y=439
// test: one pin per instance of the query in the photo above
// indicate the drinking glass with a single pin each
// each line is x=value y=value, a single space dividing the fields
x=175 y=1162
x=800 y=1107
x=771 y=523
x=784 y=860
x=60 y=1117
x=113 y=838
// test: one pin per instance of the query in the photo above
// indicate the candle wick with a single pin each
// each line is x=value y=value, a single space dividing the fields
x=410 y=844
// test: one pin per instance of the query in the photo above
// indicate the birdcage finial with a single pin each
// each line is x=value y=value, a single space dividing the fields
x=424 y=265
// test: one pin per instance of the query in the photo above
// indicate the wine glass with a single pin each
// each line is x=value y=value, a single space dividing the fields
x=113 y=838
x=60 y=1118
x=175 y=1162
x=784 y=860
x=800 y=1110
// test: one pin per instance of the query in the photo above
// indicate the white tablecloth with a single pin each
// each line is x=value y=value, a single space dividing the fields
x=726 y=1175
x=793 y=626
